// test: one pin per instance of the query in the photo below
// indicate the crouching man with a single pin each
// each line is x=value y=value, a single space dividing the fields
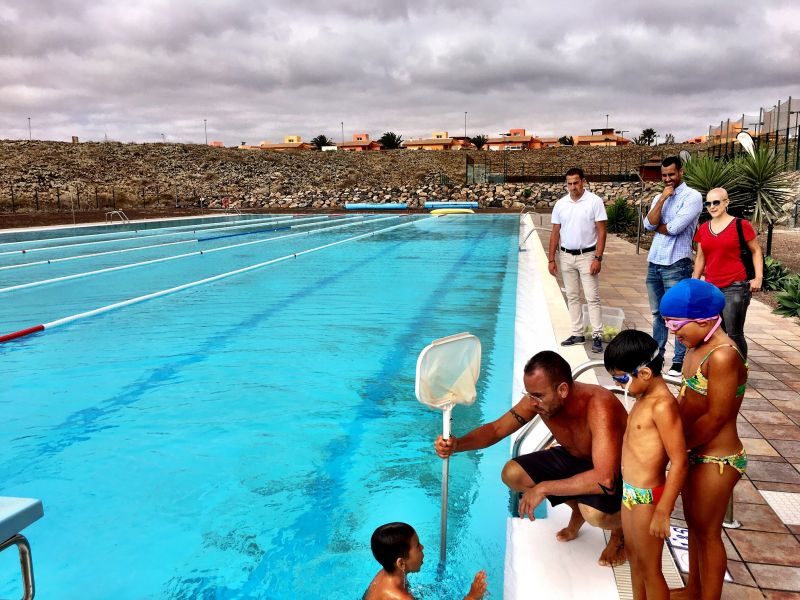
x=584 y=471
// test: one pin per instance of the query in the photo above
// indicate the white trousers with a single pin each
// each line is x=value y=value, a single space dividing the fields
x=575 y=273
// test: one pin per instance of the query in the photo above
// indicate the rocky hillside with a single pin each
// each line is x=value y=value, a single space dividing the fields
x=54 y=175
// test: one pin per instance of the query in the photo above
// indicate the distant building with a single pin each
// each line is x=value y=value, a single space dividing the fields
x=360 y=143
x=290 y=142
x=549 y=142
x=603 y=136
x=700 y=139
x=217 y=144
x=439 y=140
x=515 y=139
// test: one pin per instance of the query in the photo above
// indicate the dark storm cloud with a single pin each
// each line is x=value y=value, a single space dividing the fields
x=262 y=70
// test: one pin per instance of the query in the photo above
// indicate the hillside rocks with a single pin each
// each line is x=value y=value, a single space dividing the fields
x=60 y=176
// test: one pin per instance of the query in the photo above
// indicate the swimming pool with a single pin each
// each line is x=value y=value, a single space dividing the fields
x=242 y=438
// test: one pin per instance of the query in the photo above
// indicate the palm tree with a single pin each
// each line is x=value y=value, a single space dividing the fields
x=647 y=137
x=391 y=141
x=566 y=140
x=762 y=187
x=479 y=141
x=322 y=140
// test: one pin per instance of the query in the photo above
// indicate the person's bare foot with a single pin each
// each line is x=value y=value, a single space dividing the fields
x=570 y=532
x=614 y=553
x=680 y=594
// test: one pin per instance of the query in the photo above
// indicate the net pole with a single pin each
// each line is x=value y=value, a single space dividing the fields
x=446 y=417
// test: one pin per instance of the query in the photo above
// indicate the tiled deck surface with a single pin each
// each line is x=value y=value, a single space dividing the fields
x=764 y=555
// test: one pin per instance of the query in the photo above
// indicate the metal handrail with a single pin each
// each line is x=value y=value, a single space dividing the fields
x=25 y=563
x=110 y=216
x=729 y=521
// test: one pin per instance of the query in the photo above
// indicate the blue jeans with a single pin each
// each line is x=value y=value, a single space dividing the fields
x=737 y=299
x=659 y=279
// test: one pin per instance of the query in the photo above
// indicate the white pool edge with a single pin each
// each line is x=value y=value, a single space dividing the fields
x=536 y=565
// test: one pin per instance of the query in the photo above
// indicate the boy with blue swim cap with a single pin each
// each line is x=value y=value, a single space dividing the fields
x=709 y=402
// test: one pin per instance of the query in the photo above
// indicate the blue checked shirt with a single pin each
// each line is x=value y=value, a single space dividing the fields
x=679 y=213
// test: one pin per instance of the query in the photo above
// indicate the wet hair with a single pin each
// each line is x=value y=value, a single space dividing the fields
x=390 y=542
x=673 y=160
x=552 y=363
x=631 y=349
x=575 y=171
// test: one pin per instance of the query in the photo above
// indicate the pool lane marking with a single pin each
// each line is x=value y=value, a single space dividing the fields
x=191 y=284
x=30 y=284
x=96 y=238
x=136 y=248
x=208 y=228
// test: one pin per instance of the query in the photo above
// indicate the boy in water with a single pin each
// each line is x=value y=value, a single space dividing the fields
x=396 y=547
x=653 y=436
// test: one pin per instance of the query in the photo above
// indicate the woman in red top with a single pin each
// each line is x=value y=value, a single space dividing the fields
x=719 y=260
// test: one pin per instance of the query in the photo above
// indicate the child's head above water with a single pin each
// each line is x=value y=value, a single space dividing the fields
x=396 y=546
x=631 y=350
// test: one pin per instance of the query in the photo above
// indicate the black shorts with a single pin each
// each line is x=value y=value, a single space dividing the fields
x=556 y=463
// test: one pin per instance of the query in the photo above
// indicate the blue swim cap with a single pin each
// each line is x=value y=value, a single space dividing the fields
x=692 y=299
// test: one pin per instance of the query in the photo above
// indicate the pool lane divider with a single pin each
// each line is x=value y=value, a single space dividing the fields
x=104 y=309
x=313 y=221
x=30 y=284
x=133 y=234
x=206 y=228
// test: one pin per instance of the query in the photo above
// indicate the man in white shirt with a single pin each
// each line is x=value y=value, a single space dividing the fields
x=579 y=237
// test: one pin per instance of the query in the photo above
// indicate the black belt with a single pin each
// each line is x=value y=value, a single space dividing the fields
x=581 y=251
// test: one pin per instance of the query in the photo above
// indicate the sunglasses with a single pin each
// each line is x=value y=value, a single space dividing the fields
x=712 y=203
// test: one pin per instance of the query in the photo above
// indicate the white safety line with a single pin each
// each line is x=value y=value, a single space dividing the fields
x=296 y=223
x=359 y=221
x=96 y=311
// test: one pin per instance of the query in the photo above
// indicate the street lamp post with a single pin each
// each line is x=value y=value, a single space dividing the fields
x=205 y=130
x=343 y=132
x=606 y=121
x=30 y=135
x=465 y=125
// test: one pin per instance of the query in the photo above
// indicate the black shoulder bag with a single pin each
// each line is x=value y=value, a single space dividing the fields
x=744 y=252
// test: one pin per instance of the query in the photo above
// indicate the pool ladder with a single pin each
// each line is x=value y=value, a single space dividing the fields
x=528 y=210
x=729 y=521
x=116 y=213
x=25 y=562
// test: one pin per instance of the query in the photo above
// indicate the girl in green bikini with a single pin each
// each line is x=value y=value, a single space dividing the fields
x=714 y=380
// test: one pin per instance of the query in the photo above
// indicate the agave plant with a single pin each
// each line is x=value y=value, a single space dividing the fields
x=776 y=274
x=621 y=216
x=762 y=187
x=705 y=174
x=789 y=298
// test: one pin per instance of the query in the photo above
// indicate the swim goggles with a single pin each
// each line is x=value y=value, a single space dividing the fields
x=625 y=378
x=674 y=326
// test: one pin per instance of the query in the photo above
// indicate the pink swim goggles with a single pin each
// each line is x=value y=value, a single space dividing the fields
x=674 y=326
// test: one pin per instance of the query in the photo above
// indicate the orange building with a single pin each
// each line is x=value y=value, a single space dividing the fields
x=549 y=142
x=290 y=142
x=605 y=137
x=360 y=143
x=439 y=140
x=516 y=139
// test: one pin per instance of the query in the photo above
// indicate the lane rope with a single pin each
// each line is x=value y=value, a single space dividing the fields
x=103 y=309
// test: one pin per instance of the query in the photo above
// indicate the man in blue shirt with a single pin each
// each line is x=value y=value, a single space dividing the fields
x=673 y=216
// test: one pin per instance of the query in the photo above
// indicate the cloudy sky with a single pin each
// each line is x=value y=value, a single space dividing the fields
x=137 y=70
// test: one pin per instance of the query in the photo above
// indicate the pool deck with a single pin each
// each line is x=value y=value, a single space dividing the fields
x=764 y=554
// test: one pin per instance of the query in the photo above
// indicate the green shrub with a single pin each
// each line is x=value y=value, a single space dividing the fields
x=704 y=174
x=789 y=298
x=621 y=216
x=526 y=193
x=776 y=274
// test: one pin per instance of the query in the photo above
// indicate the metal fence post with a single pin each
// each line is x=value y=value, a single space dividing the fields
x=96 y=199
x=36 y=192
x=13 y=208
x=78 y=195
x=114 y=197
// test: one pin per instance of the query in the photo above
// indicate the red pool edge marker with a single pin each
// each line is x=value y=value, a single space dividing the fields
x=21 y=333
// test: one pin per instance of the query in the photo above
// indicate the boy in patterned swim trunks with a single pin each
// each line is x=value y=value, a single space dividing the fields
x=654 y=435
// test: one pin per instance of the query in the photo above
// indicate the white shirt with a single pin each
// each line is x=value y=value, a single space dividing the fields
x=578 y=220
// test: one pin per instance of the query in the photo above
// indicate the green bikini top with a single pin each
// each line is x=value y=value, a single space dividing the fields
x=699 y=383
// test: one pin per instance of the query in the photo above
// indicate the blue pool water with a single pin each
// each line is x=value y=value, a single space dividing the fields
x=242 y=439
